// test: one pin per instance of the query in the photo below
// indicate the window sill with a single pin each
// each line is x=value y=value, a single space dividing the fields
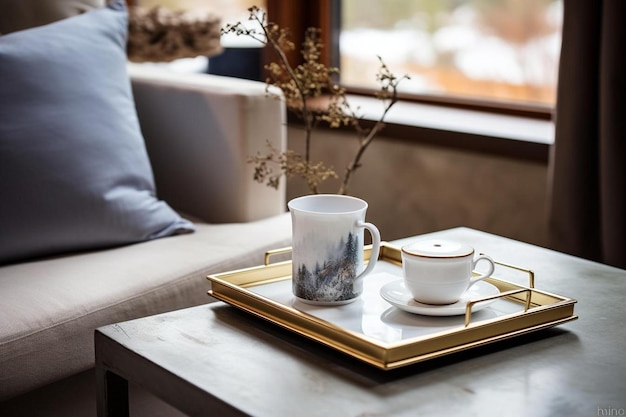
x=510 y=136
x=516 y=137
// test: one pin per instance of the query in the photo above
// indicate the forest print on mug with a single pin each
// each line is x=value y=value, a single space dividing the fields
x=333 y=278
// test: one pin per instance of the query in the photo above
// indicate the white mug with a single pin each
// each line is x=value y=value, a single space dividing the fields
x=440 y=271
x=327 y=240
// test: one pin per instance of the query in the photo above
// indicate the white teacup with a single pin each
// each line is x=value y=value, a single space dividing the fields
x=439 y=271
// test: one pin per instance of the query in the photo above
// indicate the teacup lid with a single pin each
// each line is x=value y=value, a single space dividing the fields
x=438 y=249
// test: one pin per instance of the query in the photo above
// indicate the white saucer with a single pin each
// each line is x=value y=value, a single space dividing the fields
x=396 y=294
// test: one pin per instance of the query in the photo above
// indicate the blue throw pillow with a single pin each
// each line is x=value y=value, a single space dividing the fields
x=74 y=171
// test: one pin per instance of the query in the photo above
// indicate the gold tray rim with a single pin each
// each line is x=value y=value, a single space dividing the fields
x=542 y=310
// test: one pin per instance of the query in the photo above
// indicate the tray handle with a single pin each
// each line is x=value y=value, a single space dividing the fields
x=470 y=304
x=531 y=274
x=275 y=252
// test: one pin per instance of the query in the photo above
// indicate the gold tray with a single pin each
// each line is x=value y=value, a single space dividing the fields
x=372 y=330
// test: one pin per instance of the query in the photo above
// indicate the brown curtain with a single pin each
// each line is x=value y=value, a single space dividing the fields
x=588 y=160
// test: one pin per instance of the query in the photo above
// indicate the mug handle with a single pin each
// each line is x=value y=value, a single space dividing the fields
x=375 y=247
x=492 y=267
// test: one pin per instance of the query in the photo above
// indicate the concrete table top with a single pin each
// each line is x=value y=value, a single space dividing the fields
x=217 y=360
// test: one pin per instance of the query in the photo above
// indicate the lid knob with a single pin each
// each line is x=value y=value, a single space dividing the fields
x=438 y=249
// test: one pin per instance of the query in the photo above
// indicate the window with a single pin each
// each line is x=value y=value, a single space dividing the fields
x=486 y=53
x=519 y=129
x=499 y=57
x=494 y=55
x=486 y=50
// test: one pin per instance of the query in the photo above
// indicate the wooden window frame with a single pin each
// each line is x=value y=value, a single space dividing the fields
x=298 y=15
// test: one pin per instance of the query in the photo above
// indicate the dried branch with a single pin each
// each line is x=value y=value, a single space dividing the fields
x=299 y=85
x=389 y=95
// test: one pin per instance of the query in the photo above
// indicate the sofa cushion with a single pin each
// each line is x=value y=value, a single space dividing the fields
x=24 y=14
x=74 y=171
x=51 y=307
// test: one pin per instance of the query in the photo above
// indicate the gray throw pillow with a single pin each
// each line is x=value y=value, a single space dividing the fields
x=74 y=170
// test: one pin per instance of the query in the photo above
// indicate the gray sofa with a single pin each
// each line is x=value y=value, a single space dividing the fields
x=199 y=130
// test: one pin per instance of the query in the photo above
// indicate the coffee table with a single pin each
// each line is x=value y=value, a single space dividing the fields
x=217 y=360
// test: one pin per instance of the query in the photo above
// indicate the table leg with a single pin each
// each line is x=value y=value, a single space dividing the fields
x=112 y=394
